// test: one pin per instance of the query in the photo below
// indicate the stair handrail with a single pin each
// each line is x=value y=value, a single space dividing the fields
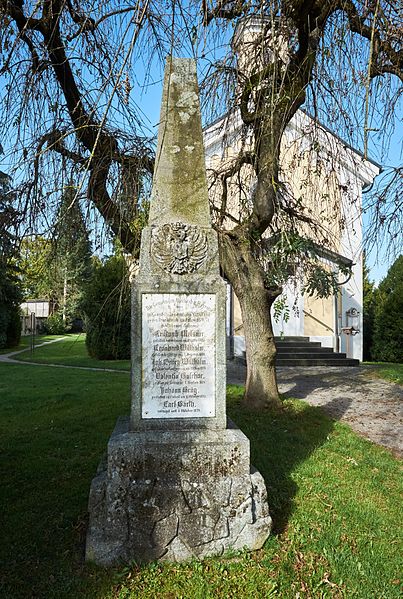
x=319 y=321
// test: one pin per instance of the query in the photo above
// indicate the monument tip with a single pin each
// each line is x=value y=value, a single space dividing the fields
x=179 y=191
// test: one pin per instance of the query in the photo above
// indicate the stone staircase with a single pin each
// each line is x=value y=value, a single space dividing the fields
x=299 y=351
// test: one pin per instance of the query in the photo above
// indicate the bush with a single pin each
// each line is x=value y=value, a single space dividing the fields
x=106 y=307
x=14 y=328
x=55 y=324
x=10 y=299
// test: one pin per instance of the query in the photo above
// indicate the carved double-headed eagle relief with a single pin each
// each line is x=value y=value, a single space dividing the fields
x=178 y=248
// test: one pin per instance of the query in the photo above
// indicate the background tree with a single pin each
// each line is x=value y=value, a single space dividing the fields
x=36 y=279
x=70 y=258
x=341 y=58
x=10 y=292
x=388 y=323
x=106 y=305
x=369 y=304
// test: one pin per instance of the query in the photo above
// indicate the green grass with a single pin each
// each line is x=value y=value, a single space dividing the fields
x=25 y=342
x=388 y=371
x=69 y=352
x=334 y=498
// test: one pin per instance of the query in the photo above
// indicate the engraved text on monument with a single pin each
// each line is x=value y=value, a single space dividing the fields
x=178 y=348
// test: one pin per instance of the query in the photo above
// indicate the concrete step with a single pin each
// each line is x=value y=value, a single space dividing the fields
x=289 y=351
x=299 y=351
x=292 y=339
x=296 y=344
x=316 y=362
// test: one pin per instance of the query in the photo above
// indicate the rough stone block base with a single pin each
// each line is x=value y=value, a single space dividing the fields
x=175 y=495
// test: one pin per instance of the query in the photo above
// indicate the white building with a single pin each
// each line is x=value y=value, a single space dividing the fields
x=330 y=177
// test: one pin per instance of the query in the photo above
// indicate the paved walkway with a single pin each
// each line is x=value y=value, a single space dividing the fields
x=9 y=358
x=372 y=407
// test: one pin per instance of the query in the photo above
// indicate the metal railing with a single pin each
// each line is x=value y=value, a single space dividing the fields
x=323 y=324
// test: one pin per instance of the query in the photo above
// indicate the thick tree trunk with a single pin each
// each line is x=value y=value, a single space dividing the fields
x=261 y=381
x=247 y=279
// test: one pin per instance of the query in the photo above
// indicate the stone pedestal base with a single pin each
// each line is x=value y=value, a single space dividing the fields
x=175 y=495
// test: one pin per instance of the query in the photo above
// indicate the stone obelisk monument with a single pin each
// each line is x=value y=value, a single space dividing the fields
x=178 y=481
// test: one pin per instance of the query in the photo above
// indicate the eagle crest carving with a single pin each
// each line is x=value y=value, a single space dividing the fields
x=178 y=248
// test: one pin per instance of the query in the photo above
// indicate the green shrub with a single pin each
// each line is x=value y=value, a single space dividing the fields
x=14 y=328
x=3 y=326
x=55 y=325
x=106 y=307
x=10 y=299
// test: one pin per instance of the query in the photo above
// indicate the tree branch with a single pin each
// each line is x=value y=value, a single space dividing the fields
x=387 y=59
x=224 y=9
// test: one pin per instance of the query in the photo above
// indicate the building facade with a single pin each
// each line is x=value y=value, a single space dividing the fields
x=327 y=177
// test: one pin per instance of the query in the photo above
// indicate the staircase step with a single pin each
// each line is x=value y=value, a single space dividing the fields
x=289 y=351
x=292 y=339
x=331 y=361
x=295 y=344
x=316 y=356
x=299 y=351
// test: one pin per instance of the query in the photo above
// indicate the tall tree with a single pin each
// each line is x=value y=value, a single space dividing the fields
x=388 y=323
x=369 y=303
x=10 y=292
x=70 y=259
x=68 y=66
x=36 y=279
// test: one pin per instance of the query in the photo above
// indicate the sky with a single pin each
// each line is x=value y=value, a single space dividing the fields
x=149 y=98
x=376 y=259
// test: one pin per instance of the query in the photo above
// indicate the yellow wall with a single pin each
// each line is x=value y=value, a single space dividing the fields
x=318 y=316
x=310 y=180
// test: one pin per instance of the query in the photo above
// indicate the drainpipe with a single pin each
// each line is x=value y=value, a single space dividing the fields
x=336 y=326
x=336 y=322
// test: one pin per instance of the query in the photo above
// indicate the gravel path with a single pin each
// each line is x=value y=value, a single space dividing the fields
x=372 y=407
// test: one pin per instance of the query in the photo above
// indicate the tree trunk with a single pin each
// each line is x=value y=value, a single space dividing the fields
x=247 y=279
x=261 y=381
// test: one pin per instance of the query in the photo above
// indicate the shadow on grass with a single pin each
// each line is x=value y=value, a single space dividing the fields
x=279 y=442
x=55 y=428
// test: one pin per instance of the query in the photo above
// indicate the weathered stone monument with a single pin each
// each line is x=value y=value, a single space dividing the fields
x=178 y=481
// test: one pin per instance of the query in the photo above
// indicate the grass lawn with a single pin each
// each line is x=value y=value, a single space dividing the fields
x=334 y=498
x=25 y=342
x=387 y=370
x=71 y=351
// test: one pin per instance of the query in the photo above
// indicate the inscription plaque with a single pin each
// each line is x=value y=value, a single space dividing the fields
x=178 y=349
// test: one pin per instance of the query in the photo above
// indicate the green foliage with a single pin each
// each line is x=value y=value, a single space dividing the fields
x=10 y=292
x=290 y=256
x=320 y=282
x=58 y=269
x=281 y=309
x=13 y=333
x=369 y=302
x=106 y=305
x=388 y=322
x=55 y=325
x=10 y=300
x=70 y=351
x=283 y=256
x=70 y=256
x=37 y=276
